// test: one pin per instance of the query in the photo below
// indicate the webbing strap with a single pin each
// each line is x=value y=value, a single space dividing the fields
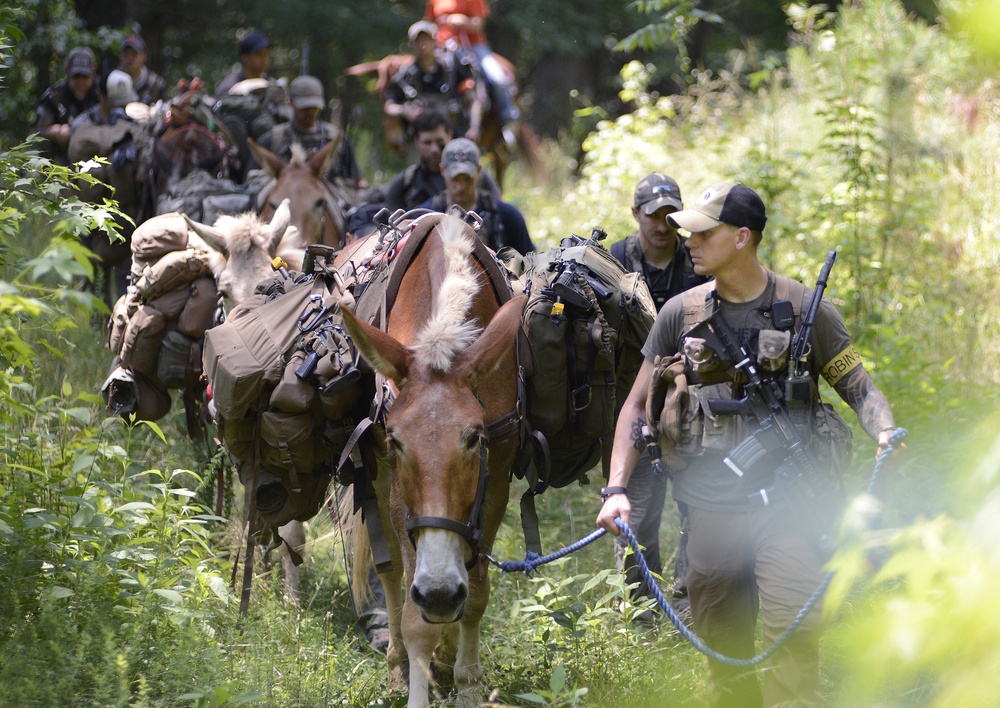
x=250 y=517
x=529 y=516
x=529 y=523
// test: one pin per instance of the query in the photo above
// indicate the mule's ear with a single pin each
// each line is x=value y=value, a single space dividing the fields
x=214 y=238
x=268 y=161
x=279 y=222
x=484 y=356
x=319 y=162
x=386 y=355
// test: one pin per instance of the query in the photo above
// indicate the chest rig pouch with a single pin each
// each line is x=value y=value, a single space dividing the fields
x=710 y=379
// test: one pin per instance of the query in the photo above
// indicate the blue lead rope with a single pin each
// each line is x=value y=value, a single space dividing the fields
x=532 y=561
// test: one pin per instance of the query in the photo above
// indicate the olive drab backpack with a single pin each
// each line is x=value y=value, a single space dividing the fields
x=284 y=385
x=585 y=322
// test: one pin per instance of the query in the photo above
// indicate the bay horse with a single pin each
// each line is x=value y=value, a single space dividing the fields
x=446 y=353
x=316 y=205
x=186 y=138
x=490 y=140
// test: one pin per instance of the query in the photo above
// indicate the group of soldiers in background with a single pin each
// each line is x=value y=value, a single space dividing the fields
x=122 y=114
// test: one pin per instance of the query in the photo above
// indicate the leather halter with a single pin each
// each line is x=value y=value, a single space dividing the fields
x=472 y=530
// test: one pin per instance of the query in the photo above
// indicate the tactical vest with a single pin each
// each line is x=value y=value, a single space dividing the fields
x=708 y=378
x=681 y=277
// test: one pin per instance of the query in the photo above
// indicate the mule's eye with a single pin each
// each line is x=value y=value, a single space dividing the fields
x=320 y=203
x=392 y=444
x=474 y=440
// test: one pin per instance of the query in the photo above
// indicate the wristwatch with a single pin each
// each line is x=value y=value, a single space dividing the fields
x=608 y=491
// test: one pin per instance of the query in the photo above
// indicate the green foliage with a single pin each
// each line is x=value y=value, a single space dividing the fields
x=675 y=20
x=112 y=583
x=927 y=630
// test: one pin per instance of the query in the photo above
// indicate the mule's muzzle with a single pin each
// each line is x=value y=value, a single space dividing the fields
x=441 y=605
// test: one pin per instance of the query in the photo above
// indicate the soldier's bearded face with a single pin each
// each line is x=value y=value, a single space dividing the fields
x=429 y=144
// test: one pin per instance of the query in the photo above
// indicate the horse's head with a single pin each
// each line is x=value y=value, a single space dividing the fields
x=248 y=244
x=436 y=428
x=184 y=149
x=313 y=206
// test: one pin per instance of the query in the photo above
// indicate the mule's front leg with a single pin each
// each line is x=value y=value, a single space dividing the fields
x=420 y=639
x=468 y=670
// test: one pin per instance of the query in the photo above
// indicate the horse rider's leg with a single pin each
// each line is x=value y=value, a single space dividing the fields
x=500 y=84
x=293 y=534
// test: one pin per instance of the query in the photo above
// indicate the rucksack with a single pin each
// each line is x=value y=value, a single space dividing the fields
x=285 y=387
x=585 y=321
x=205 y=198
x=156 y=327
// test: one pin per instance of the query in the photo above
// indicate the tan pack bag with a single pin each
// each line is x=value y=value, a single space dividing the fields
x=171 y=303
x=200 y=308
x=174 y=270
x=249 y=350
x=141 y=343
x=158 y=236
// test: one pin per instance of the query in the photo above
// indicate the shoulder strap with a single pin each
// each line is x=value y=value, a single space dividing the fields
x=695 y=303
x=792 y=290
x=618 y=251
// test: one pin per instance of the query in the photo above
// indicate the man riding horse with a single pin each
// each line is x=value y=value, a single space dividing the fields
x=439 y=81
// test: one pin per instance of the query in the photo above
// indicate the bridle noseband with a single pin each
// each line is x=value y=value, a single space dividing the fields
x=472 y=530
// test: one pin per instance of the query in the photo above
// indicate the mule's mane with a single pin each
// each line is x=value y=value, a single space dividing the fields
x=244 y=233
x=298 y=155
x=449 y=329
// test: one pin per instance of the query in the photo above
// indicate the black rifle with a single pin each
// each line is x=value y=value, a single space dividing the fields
x=800 y=389
x=798 y=479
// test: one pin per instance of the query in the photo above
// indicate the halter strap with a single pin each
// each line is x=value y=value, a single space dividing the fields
x=472 y=530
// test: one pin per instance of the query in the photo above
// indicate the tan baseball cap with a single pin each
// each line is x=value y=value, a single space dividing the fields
x=723 y=203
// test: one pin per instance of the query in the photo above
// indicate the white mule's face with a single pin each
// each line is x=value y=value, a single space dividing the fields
x=440 y=580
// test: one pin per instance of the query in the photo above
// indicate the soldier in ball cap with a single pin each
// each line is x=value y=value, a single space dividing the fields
x=67 y=99
x=435 y=81
x=657 y=251
x=305 y=94
x=742 y=555
x=255 y=60
x=150 y=86
x=503 y=225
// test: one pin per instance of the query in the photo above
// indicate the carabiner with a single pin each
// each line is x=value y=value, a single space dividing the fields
x=311 y=317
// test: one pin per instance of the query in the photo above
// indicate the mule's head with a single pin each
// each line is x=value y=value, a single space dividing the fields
x=445 y=371
x=436 y=432
x=248 y=245
x=313 y=208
